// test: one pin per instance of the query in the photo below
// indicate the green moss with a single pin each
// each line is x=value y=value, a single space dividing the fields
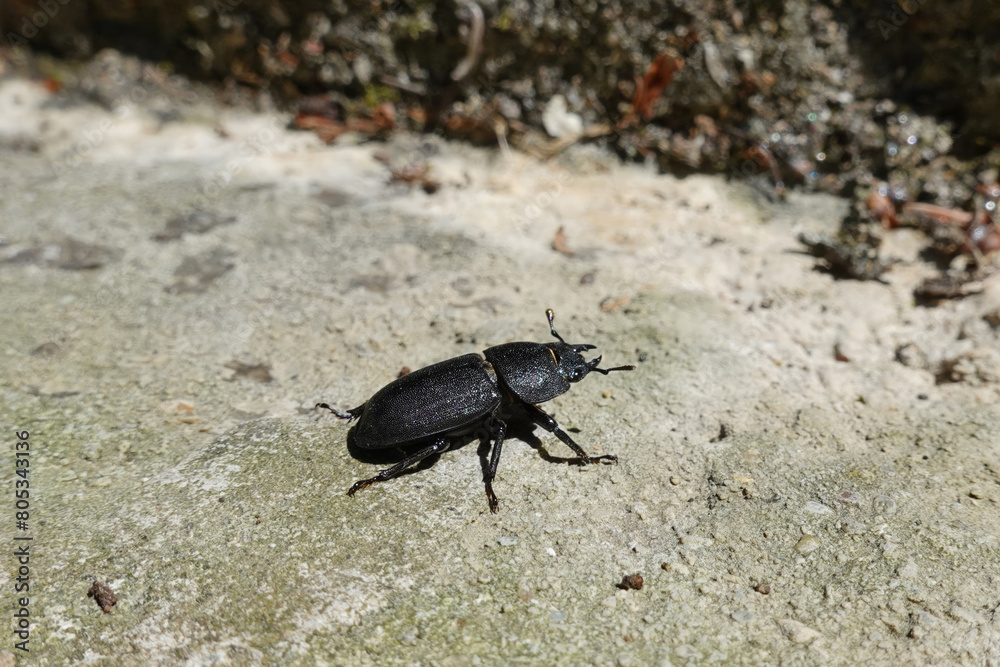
x=505 y=20
x=375 y=95
x=412 y=26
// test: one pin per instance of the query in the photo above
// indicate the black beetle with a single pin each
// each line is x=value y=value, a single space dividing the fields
x=456 y=396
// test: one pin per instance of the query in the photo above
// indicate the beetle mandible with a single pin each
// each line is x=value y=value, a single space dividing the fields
x=453 y=397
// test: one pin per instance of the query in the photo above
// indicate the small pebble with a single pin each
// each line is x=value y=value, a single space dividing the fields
x=962 y=613
x=696 y=541
x=807 y=544
x=852 y=527
x=814 y=507
x=800 y=633
x=685 y=651
x=631 y=581
x=883 y=505
x=178 y=406
x=763 y=589
x=850 y=498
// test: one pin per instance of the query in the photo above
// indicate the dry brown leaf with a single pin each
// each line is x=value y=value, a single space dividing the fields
x=883 y=210
x=942 y=214
x=649 y=88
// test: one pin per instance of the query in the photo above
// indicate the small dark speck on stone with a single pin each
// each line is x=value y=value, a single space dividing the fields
x=258 y=372
x=68 y=254
x=47 y=350
x=103 y=596
x=724 y=432
x=20 y=143
x=763 y=589
x=195 y=222
x=631 y=582
x=922 y=397
x=333 y=198
x=196 y=273
x=374 y=282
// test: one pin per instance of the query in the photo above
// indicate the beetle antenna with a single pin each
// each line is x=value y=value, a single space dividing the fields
x=593 y=366
x=616 y=368
x=340 y=415
x=552 y=327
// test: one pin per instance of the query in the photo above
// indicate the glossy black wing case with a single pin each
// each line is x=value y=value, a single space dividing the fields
x=434 y=400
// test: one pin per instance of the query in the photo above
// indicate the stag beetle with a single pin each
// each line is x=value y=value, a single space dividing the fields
x=454 y=397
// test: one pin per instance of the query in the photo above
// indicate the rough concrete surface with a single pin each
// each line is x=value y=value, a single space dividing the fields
x=809 y=469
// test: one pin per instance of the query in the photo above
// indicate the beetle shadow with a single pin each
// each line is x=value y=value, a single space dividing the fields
x=519 y=427
x=524 y=430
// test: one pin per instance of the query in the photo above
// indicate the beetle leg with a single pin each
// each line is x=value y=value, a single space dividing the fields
x=546 y=421
x=440 y=446
x=491 y=473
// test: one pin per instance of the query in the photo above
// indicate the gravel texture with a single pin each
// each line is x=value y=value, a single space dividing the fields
x=809 y=469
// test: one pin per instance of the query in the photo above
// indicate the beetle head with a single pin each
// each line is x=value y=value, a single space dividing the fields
x=570 y=362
